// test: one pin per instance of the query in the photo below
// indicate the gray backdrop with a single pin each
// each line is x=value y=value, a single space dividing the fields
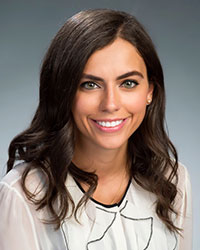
x=27 y=27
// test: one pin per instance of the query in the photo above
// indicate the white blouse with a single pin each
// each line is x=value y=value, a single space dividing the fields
x=130 y=225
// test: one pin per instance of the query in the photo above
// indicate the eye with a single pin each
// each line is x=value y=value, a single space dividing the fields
x=89 y=85
x=129 y=84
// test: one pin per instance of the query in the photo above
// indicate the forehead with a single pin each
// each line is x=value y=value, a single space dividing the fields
x=116 y=58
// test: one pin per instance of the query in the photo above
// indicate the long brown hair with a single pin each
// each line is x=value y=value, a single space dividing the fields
x=48 y=143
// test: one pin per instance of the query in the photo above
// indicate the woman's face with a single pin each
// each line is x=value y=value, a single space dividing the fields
x=111 y=99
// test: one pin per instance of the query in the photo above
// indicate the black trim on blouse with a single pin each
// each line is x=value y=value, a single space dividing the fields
x=105 y=205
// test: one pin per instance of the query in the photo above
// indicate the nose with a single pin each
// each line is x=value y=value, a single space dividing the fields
x=110 y=100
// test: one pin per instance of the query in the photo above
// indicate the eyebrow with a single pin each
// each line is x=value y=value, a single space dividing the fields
x=96 y=78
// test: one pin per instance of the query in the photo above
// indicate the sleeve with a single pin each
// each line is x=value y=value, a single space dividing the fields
x=184 y=210
x=17 y=229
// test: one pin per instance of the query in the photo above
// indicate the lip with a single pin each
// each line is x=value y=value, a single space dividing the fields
x=110 y=129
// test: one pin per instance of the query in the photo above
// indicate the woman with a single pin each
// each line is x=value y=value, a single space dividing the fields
x=98 y=171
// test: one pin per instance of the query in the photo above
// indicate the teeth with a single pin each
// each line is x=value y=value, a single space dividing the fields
x=110 y=124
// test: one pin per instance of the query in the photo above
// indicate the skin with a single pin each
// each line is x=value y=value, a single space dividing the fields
x=105 y=152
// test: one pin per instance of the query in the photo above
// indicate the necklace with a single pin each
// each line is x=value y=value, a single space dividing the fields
x=115 y=200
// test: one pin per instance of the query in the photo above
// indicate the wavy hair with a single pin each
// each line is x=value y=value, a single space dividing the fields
x=48 y=143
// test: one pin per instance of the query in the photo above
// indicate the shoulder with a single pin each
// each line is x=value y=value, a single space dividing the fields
x=14 y=175
x=19 y=217
x=11 y=182
x=183 y=200
x=182 y=170
x=183 y=178
x=183 y=207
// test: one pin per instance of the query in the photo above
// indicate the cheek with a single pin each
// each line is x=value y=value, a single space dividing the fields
x=136 y=104
x=83 y=106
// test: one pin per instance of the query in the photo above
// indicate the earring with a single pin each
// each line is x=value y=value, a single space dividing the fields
x=149 y=101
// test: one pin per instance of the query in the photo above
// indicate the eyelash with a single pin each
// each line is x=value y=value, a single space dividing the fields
x=132 y=82
x=83 y=85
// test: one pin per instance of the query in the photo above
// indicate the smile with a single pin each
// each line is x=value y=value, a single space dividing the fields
x=109 y=124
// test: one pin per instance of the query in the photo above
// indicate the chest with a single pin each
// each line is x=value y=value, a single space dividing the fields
x=125 y=227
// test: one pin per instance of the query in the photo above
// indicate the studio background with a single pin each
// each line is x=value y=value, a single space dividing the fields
x=26 y=29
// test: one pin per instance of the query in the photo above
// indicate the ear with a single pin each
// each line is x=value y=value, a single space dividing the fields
x=150 y=91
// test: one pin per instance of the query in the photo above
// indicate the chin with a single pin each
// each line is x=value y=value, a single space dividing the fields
x=111 y=145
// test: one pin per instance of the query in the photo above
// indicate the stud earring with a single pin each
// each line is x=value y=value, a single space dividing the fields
x=149 y=101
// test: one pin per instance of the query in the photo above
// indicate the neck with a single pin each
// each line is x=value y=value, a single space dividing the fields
x=110 y=165
x=105 y=163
